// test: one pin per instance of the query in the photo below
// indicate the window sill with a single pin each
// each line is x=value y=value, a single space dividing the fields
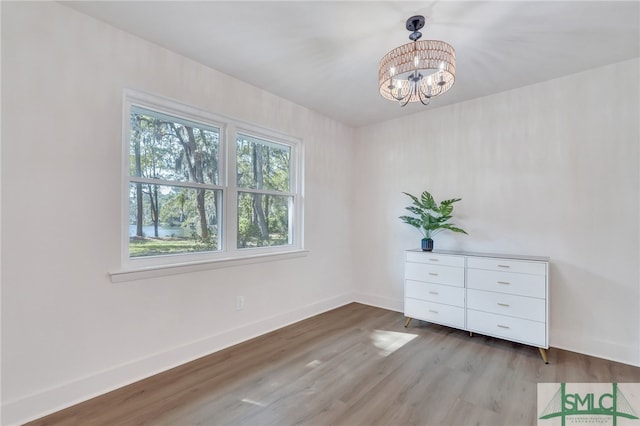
x=183 y=268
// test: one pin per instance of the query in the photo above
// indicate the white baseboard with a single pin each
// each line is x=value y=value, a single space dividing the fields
x=57 y=398
x=625 y=354
x=379 y=301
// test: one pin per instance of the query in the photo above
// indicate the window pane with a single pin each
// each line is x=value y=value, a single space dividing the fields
x=169 y=148
x=172 y=220
x=262 y=164
x=263 y=220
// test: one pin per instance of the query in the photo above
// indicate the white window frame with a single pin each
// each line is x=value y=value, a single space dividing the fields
x=229 y=254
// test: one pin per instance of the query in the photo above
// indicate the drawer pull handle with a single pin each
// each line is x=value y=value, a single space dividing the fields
x=503 y=326
x=504 y=282
x=434 y=260
x=432 y=311
x=434 y=292
x=503 y=266
x=503 y=304
x=433 y=273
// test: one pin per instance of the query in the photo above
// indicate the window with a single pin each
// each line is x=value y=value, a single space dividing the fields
x=174 y=196
x=264 y=197
x=198 y=188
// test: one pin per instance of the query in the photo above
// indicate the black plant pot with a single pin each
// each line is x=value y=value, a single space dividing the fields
x=427 y=244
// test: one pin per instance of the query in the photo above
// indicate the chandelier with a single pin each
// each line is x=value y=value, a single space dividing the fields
x=417 y=71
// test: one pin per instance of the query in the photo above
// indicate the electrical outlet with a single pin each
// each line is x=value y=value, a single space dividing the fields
x=239 y=303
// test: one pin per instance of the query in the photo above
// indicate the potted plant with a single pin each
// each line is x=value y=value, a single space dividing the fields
x=432 y=217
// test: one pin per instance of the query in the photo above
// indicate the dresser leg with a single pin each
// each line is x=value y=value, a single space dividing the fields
x=471 y=334
x=543 y=354
x=406 y=323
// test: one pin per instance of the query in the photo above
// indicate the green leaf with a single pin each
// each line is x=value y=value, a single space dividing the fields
x=454 y=228
x=451 y=201
x=415 y=199
x=446 y=210
x=415 y=210
x=413 y=221
x=428 y=202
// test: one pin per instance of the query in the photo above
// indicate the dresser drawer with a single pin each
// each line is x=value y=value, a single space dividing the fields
x=507 y=265
x=506 y=304
x=435 y=293
x=434 y=312
x=517 y=329
x=507 y=282
x=437 y=274
x=435 y=259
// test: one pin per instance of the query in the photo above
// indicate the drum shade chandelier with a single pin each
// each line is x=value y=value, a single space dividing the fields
x=417 y=71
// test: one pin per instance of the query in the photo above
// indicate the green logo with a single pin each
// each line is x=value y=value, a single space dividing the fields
x=612 y=404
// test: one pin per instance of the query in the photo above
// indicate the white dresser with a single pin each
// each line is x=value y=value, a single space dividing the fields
x=496 y=295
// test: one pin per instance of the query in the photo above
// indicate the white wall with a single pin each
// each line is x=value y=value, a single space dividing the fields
x=68 y=333
x=550 y=169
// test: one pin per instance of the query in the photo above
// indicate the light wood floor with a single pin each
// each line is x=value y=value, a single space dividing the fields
x=356 y=365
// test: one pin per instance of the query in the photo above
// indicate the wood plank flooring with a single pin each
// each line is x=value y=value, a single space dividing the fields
x=355 y=365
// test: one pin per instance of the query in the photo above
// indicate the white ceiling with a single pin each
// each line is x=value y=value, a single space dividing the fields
x=325 y=54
